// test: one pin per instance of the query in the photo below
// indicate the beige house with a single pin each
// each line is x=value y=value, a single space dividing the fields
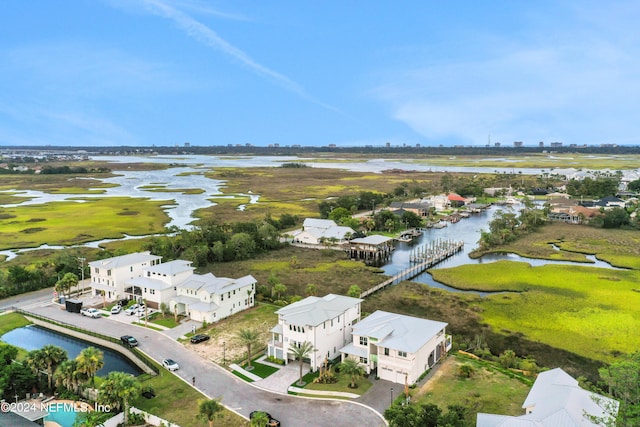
x=110 y=274
x=319 y=231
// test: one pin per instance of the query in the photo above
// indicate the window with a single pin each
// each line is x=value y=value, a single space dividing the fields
x=234 y=291
x=363 y=360
x=386 y=351
x=131 y=269
x=221 y=297
x=152 y=291
x=402 y=354
x=108 y=272
x=363 y=340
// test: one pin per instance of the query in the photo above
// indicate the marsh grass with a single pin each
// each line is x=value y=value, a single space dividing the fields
x=67 y=223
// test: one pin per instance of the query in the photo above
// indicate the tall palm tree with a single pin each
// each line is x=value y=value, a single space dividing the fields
x=279 y=289
x=352 y=368
x=90 y=360
x=248 y=337
x=69 y=376
x=118 y=390
x=46 y=359
x=209 y=410
x=301 y=352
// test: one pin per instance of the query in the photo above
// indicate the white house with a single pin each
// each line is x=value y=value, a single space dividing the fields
x=109 y=275
x=210 y=298
x=158 y=283
x=324 y=322
x=399 y=348
x=556 y=400
x=315 y=231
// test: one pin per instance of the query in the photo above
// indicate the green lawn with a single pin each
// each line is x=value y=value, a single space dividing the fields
x=11 y=321
x=259 y=369
x=363 y=384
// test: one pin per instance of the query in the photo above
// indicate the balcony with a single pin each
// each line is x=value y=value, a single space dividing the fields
x=448 y=342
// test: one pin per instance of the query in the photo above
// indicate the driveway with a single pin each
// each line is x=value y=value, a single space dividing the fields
x=217 y=383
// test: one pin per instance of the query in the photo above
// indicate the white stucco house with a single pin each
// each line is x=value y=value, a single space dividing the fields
x=324 y=322
x=316 y=231
x=142 y=276
x=398 y=348
x=556 y=400
x=109 y=275
x=209 y=298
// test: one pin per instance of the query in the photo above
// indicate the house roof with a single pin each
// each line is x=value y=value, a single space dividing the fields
x=215 y=285
x=374 y=239
x=318 y=223
x=333 y=231
x=125 y=260
x=397 y=331
x=351 y=350
x=455 y=197
x=171 y=268
x=314 y=310
x=147 y=282
x=555 y=400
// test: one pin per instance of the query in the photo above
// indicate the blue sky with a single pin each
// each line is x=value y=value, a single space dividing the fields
x=218 y=72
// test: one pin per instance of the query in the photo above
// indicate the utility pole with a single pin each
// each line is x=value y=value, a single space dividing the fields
x=82 y=260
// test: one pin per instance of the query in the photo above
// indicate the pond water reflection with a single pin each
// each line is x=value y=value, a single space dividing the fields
x=34 y=337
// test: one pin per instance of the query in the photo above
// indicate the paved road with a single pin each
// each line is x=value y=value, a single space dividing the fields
x=216 y=382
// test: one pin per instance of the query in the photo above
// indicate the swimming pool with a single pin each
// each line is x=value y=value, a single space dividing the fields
x=64 y=412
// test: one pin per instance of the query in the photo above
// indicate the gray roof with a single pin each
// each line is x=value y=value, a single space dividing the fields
x=351 y=350
x=147 y=282
x=172 y=267
x=125 y=260
x=374 y=239
x=314 y=310
x=216 y=285
x=556 y=400
x=318 y=223
x=397 y=331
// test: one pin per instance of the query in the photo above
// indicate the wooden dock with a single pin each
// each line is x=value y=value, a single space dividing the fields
x=423 y=259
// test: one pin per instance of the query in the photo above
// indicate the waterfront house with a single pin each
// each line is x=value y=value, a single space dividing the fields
x=109 y=275
x=324 y=322
x=320 y=231
x=396 y=347
x=556 y=399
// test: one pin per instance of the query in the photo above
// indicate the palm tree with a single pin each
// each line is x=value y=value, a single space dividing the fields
x=279 y=289
x=47 y=359
x=68 y=376
x=117 y=390
x=248 y=337
x=209 y=410
x=65 y=284
x=259 y=419
x=301 y=352
x=352 y=368
x=90 y=360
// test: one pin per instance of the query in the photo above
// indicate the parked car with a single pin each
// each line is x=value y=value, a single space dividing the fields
x=123 y=302
x=272 y=421
x=170 y=364
x=131 y=310
x=129 y=341
x=199 y=338
x=91 y=312
x=116 y=309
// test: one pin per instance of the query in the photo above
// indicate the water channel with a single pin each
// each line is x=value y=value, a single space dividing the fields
x=35 y=337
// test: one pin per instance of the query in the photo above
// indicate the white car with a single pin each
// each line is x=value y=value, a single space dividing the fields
x=91 y=312
x=131 y=310
x=170 y=364
x=116 y=309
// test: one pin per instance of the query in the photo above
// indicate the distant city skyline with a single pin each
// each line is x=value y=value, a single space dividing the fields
x=174 y=72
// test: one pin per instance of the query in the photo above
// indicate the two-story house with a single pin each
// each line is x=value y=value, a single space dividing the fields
x=398 y=348
x=324 y=322
x=109 y=275
x=317 y=231
x=209 y=298
x=158 y=283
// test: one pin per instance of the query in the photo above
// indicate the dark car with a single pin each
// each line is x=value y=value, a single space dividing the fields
x=129 y=341
x=199 y=338
x=272 y=421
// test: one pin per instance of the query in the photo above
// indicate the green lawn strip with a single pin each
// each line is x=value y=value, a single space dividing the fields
x=590 y=311
x=66 y=223
x=177 y=401
x=244 y=377
x=168 y=321
x=11 y=321
x=487 y=390
x=259 y=369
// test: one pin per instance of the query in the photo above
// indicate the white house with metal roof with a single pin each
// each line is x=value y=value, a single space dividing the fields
x=399 y=348
x=209 y=298
x=324 y=322
x=316 y=231
x=556 y=400
x=158 y=283
x=109 y=275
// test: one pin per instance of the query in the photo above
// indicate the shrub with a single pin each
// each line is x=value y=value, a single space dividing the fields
x=466 y=371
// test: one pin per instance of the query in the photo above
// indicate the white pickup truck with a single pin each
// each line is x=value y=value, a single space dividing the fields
x=91 y=312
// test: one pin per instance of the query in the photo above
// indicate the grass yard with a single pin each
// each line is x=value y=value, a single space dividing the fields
x=363 y=384
x=11 y=321
x=259 y=369
x=68 y=223
x=176 y=401
x=486 y=391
